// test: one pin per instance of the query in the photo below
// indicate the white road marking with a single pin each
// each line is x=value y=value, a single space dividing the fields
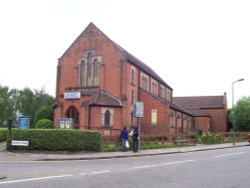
x=34 y=179
x=97 y=172
x=186 y=161
x=100 y=172
x=164 y=164
x=229 y=154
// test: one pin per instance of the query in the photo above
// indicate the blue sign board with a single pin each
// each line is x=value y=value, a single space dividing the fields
x=23 y=122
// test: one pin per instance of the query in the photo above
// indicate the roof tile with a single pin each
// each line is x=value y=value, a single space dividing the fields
x=200 y=102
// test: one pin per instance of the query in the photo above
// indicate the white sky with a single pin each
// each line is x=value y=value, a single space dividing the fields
x=199 y=47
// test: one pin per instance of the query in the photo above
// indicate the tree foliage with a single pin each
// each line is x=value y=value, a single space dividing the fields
x=32 y=101
x=25 y=102
x=9 y=104
x=242 y=114
x=45 y=112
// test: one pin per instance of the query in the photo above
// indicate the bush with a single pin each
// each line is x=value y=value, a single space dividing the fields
x=45 y=112
x=57 y=139
x=3 y=133
x=44 y=124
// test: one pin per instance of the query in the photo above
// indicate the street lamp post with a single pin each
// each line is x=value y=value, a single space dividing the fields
x=233 y=130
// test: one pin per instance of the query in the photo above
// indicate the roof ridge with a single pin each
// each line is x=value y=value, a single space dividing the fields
x=199 y=96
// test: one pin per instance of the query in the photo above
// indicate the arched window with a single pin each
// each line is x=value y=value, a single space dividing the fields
x=107 y=118
x=73 y=113
x=162 y=92
x=172 y=119
x=96 y=68
x=82 y=73
x=144 y=82
x=133 y=76
x=89 y=69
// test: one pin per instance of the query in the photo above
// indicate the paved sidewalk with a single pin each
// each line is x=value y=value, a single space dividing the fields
x=18 y=156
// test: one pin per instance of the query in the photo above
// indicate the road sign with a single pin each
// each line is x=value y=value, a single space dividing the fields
x=19 y=143
x=139 y=109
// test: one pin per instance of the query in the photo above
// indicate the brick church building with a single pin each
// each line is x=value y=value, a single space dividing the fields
x=98 y=83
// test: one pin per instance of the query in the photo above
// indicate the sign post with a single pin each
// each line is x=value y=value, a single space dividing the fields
x=138 y=113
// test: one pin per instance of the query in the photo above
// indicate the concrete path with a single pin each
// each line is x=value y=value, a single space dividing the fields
x=21 y=156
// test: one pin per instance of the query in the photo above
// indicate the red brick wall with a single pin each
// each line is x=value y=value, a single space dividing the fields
x=110 y=65
x=110 y=71
x=96 y=117
x=151 y=103
x=218 y=119
x=202 y=123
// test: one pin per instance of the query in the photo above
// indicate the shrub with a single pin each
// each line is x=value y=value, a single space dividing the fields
x=3 y=133
x=57 y=139
x=44 y=124
x=45 y=112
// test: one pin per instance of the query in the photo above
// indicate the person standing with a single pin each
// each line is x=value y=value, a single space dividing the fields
x=135 y=137
x=124 y=138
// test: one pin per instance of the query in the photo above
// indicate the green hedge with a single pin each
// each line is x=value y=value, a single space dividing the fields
x=56 y=139
x=3 y=133
x=44 y=124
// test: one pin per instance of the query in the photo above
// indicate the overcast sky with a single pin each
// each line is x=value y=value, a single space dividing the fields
x=198 y=47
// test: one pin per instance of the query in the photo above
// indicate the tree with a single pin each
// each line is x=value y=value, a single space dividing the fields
x=24 y=102
x=242 y=114
x=33 y=101
x=9 y=104
x=45 y=112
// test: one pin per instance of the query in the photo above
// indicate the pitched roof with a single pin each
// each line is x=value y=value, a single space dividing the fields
x=200 y=102
x=138 y=63
x=100 y=98
x=106 y=99
x=179 y=108
x=198 y=113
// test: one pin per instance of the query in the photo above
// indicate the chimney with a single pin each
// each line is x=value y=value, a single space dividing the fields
x=225 y=98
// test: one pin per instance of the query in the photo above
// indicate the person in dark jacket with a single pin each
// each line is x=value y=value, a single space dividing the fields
x=135 y=137
x=124 y=138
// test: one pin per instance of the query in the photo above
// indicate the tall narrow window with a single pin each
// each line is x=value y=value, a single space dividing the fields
x=154 y=87
x=107 y=118
x=89 y=70
x=96 y=68
x=89 y=63
x=162 y=92
x=168 y=95
x=179 y=122
x=82 y=74
x=144 y=82
x=133 y=76
x=172 y=119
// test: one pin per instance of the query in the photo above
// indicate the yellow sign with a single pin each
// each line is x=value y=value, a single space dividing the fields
x=154 y=117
